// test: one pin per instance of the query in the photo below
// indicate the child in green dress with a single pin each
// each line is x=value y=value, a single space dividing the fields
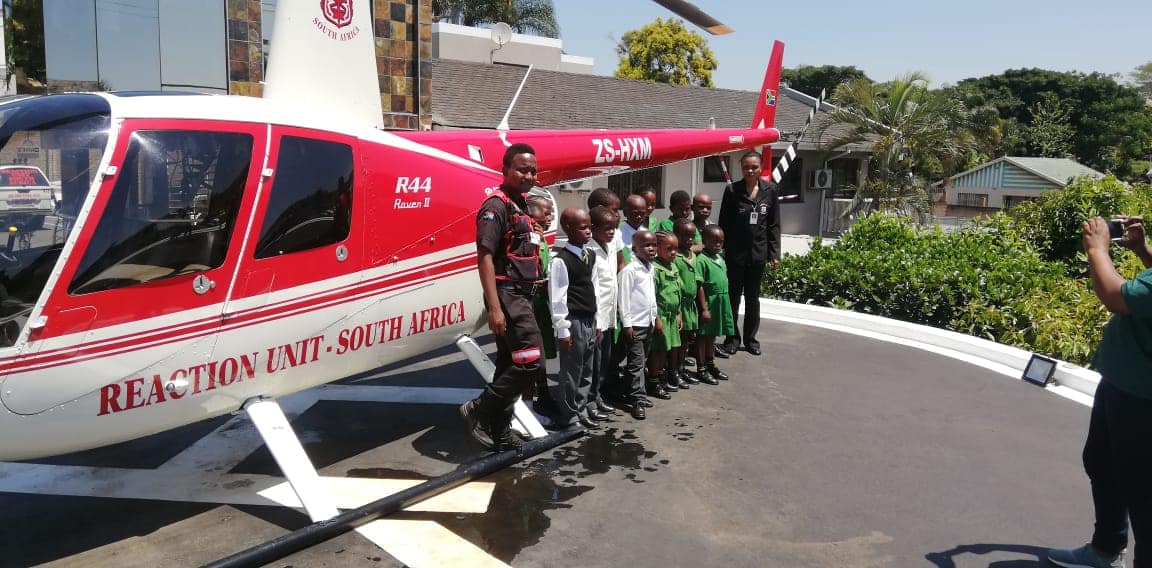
x=691 y=296
x=667 y=340
x=716 y=309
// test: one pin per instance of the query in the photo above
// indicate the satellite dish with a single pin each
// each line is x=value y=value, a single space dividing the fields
x=501 y=34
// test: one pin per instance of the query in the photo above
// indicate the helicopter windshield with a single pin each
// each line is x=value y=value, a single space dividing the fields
x=50 y=149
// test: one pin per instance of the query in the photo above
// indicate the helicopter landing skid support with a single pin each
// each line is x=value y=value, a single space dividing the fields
x=281 y=440
x=524 y=421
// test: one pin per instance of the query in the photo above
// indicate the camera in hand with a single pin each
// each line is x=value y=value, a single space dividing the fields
x=1116 y=229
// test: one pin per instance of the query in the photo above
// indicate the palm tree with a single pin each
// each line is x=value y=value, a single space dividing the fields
x=535 y=17
x=912 y=131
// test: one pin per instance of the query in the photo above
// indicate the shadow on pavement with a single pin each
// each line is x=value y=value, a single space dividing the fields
x=946 y=559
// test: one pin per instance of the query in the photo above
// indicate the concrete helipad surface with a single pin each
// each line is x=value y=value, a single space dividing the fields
x=829 y=450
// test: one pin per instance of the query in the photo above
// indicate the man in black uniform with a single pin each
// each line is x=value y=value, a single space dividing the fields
x=508 y=257
x=750 y=218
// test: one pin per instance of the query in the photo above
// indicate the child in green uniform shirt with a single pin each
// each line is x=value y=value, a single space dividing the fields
x=716 y=310
x=701 y=210
x=649 y=195
x=667 y=281
x=680 y=204
x=540 y=209
x=691 y=294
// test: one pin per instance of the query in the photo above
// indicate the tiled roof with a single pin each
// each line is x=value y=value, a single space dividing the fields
x=476 y=95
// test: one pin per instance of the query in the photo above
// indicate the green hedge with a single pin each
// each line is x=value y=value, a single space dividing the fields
x=884 y=266
x=1019 y=279
x=1052 y=224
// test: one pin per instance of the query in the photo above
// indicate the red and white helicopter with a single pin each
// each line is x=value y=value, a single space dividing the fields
x=211 y=251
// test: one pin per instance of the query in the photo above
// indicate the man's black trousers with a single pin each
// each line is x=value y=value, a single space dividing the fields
x=518 y=359
x=1118 y=461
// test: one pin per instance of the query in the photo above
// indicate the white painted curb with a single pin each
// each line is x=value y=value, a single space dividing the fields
x=1069 y=380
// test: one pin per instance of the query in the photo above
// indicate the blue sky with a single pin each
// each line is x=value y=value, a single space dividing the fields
x=948 y=41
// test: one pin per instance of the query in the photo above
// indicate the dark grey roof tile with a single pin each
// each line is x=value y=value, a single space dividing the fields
x=476 y=95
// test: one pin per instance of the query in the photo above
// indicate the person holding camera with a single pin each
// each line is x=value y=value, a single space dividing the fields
x=1118 y=450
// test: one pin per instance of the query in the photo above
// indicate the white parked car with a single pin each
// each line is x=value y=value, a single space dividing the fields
x=26 y=197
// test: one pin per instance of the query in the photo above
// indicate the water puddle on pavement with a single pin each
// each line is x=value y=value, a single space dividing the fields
x=517 y=515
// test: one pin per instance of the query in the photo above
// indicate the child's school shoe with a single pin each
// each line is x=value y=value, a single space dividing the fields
x=655 y=389
x=676 y=378
x=705 y=377
x=633 y=407
x=686 y=377
x=672 y=381
x=712 y=370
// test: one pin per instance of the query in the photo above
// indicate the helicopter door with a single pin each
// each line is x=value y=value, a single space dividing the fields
x=143 y=294
x=305 y=248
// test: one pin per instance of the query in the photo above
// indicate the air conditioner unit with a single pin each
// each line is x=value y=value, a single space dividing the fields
x=820 y=179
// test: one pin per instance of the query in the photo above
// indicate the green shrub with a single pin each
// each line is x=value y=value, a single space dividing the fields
x=884 y=266
x=1018 y=279
x=1053 y=223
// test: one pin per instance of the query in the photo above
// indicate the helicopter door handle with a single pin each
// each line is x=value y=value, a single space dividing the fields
x=202 y=284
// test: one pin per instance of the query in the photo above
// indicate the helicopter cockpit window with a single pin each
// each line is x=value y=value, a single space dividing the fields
x=171 y=212
x=50 y=150
x=310 y=204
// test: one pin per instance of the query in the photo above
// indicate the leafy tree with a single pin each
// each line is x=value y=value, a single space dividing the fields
x=1052 y=224
x=24 y=34
x=1142 y=79
x=1050 y=134
x=1112 y=125
x=993 y=136
x=810 y=80
x=536 y=17
x=915 y=134
x=665 y=51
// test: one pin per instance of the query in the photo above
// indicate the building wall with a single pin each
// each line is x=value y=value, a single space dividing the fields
x=136 y=45
x=1002 y=175
x=995 y=195
x=403 y=47
x=218 y=46
x=245 y=47
x=801 y=218
x=997 y=181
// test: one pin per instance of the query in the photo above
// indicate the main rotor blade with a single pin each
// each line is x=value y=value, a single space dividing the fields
x=690 y=12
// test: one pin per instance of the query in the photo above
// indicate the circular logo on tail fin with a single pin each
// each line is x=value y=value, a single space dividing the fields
x=339 y=12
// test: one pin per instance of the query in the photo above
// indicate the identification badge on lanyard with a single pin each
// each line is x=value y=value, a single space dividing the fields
x=534 y=237
x=752 y=218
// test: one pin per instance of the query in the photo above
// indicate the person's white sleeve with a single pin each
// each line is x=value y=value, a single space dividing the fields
x=625 y=298
x=558 y=295
x=655 y=306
